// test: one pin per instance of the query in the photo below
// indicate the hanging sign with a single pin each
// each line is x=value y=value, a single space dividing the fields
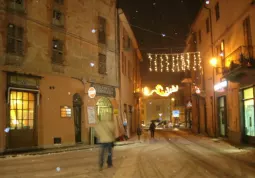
x=219 y=87
x=160 y=90
x=92 y=92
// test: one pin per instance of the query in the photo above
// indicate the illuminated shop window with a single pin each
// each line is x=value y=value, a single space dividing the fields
x=65 y=111
x=22 y=110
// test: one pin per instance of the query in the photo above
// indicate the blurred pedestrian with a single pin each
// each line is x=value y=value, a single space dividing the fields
x=152 y=129
x=105 y=131
x=139 y=132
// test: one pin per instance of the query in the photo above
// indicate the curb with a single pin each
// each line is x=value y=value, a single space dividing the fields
x=59 y=150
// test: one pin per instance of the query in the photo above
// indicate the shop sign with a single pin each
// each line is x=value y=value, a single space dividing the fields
x=189 y=104
x=104 y=90
x=92 y=92
x=219 y=87
x=176 y=113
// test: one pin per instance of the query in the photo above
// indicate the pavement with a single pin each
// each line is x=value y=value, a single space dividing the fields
x=59 y=149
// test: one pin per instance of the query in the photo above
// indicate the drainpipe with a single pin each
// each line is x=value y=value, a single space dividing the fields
x=117 y=53
x=212 y=45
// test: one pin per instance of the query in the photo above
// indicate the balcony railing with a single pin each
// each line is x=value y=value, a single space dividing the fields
x=242 y=56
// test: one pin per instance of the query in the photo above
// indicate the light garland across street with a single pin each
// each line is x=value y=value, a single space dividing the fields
x=177 y=62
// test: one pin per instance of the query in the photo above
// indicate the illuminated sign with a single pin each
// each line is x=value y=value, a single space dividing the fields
x=92 y=92
x=160 y=90
x=220 y=86
x=176 y=113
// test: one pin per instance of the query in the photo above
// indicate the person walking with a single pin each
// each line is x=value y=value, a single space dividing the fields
x=152 y=129
x=105 y=132
x=139 y=132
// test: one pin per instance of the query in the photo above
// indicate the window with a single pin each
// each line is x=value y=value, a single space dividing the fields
x=207 y=23
x=58 y=18
x=157 y=107
x=15 y=39
x=17 y=5
x=248 y=95
x=217 y=11
x=129 y=70
x=126 y=40
x=22 y=110
x=57 y=52
x=102 y=64
x=102 y=30
x=199 y=36
x=123 y=64
x=65 y=111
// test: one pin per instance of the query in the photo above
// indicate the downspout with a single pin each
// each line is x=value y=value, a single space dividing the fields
x=213 y=107
x=117 y=53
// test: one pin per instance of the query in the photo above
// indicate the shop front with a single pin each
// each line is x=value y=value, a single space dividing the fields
x=22 y=111
x=102 y=103
x=247 y=111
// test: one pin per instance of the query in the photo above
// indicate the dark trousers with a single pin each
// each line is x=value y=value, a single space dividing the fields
x=105 y=147
x=152 y=133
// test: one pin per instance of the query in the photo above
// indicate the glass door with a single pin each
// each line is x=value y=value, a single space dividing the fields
x=222 y=115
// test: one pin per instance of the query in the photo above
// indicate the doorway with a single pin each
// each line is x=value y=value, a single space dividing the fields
x=77 y=103
x=222 y=115
x=22 y=120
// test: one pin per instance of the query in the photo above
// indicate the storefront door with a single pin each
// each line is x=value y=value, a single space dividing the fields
x=222 y=115
x=22 y=120
x=249 y=122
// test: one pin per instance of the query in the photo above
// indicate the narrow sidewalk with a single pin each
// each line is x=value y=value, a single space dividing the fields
x=60 y=149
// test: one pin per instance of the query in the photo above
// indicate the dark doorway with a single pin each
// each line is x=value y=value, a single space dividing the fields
x=77 y=103
x=222 y=115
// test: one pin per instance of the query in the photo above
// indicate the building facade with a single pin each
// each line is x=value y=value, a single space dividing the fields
x=224 y=36
x=51 y=54
x=130 y=78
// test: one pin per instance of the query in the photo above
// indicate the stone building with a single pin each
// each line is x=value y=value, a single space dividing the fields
x=51 y=53
x=224 y=36
x=130 y=78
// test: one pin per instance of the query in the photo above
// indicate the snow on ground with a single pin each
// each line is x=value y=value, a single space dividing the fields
x=170 y=154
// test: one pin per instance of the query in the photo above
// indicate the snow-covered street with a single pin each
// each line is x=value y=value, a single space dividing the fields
x=170 y=154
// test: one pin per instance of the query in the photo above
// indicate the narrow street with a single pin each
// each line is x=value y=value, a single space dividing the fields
x=171 y=154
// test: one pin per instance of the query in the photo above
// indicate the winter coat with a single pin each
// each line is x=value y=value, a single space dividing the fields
x=105 y=131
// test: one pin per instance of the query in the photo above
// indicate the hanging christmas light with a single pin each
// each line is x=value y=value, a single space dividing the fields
x=167 y=63
x=177 y=60
x=199 y=61
x=173 y=63
x=183 y=62
x=150 y=59
x=195 y=63
x=161 y=64
x=188 y=61
x=156 y=62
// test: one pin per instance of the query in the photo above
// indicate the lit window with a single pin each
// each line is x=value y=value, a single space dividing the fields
x=22 y=110
x=65 y=111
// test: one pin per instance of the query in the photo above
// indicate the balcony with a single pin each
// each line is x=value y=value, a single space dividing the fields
x=240 y=65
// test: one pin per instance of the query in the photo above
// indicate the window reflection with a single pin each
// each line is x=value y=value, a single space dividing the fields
x=22 y=106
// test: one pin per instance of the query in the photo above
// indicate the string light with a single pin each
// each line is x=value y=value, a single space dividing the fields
x=188 y=61
x=156 y=62
x=150 y=59
x=173 y=63
x=167 y=63
x=161 y=64
x=177 y=60
x=199 y=61
x=180 y=62
x=195 y=63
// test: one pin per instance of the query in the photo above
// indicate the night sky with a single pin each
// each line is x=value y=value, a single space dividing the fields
x=152 y=18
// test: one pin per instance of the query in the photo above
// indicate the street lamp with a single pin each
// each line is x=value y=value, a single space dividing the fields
x=213 y=63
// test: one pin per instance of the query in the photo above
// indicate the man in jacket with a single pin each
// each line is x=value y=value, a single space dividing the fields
x=105 y=132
